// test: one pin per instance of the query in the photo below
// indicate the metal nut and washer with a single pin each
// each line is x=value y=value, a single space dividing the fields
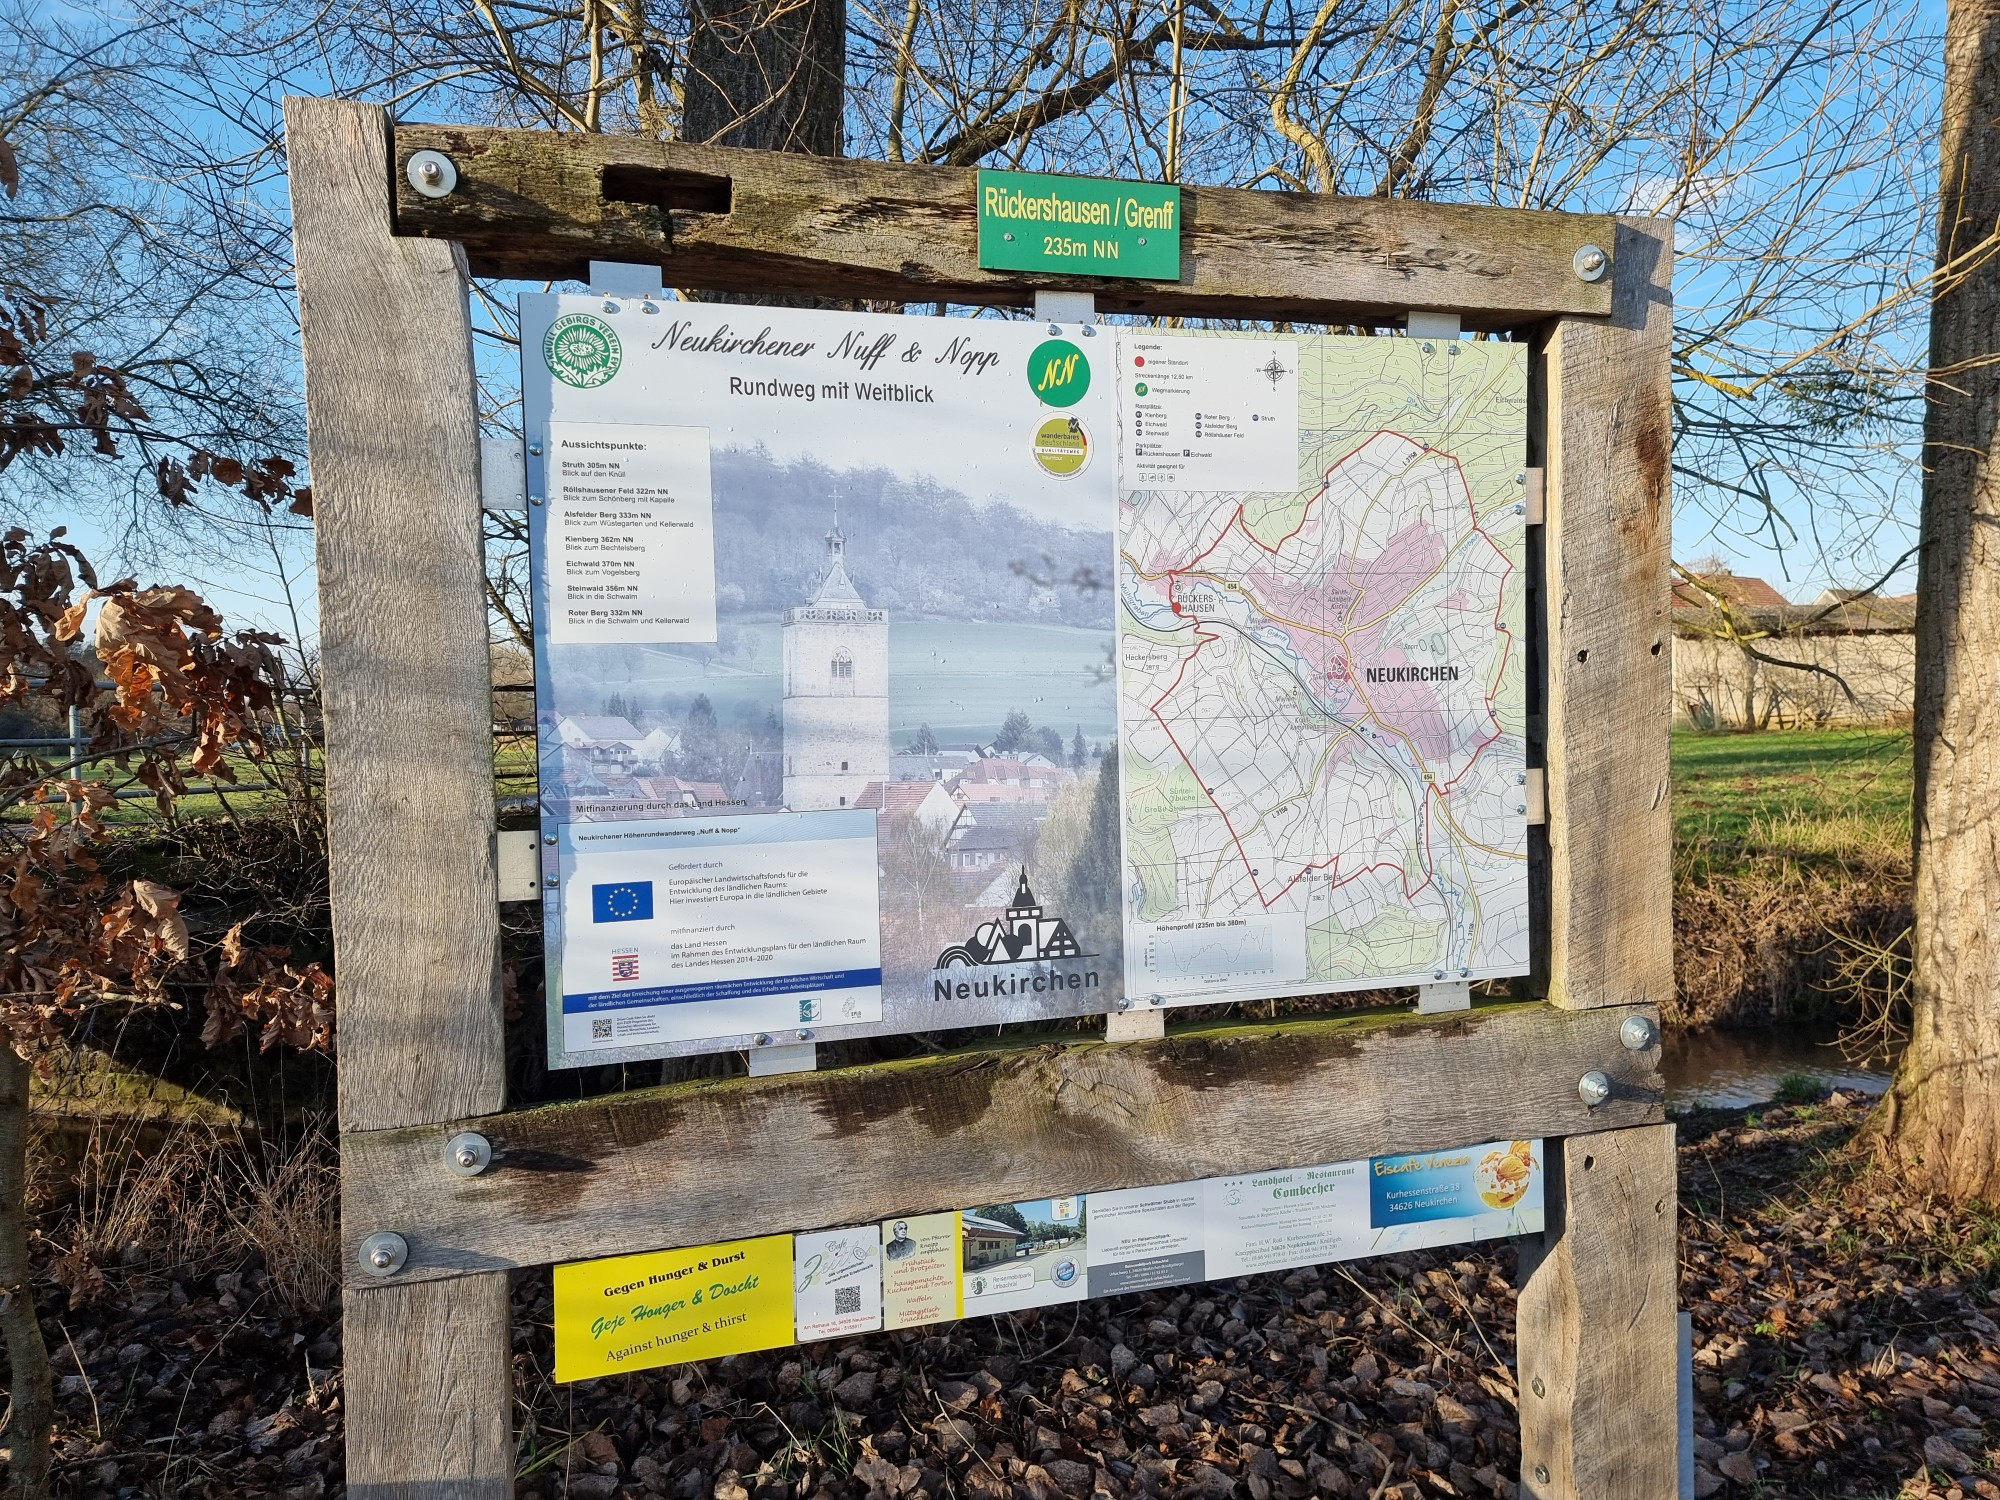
x=384 y=1253
x=468 y=1153
x=431 y=173
x=1593 y=1088
x=1590 y=263
x=1638 y=1033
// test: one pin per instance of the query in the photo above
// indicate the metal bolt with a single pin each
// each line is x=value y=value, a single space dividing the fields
x=1055 y=330
x=468 y=1153
x=648 y=307
x=1520 y=508
x=1437 y=973
x=549 y=839
x=1538 y=1388
x=1465 y=971
x=805 y=1034
x=610 y=306
x=1520 y=778
x=1089 y=332
x=762 y=1039
x=1541 y=1473
x=1124 y=1002
x=1142 y=239
x=1593 y=1088
x=534 y=499
x=536 y=449
x=1520 y=807
x=1520 y=476
x=1638 y=1033
x=1008 y=236
x=431 y=173
x=1452 y=350
x=1154 y=1000
x=551 y=881
x=1429 y=347
x=384 y=1253
x=1591 y=263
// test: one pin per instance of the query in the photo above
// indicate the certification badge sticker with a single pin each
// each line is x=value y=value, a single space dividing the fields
x=582 y=351
x=1062 y=447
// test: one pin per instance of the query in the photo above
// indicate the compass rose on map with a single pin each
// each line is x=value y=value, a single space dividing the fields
x=1273 y=371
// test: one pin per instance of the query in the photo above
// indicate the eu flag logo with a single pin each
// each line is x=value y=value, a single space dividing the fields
x=627 y=901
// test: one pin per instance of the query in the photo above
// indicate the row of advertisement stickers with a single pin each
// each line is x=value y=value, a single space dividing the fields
x=634 y=1312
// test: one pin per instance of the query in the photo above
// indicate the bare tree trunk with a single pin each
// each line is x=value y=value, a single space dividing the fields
x=767 y=73
x=33 y=1406
x=1943 y=1120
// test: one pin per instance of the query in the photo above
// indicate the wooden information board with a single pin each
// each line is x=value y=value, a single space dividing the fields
x=382 y=273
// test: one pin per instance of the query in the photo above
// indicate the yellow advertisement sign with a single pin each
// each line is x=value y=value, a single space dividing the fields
x=633 y=1312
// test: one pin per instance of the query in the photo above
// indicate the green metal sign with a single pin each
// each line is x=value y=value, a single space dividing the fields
x=1087 y=226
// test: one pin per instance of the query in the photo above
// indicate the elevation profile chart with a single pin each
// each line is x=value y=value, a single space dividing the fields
x=826 y=717
x=1322 y=692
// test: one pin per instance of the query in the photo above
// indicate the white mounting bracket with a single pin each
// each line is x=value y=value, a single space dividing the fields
x=1066 y=307
x=1453 y=994
x=792 y=1057
x=1537 y=789
x=503 y=474
x=1536 y=485
x=517 y=861
x=1434 y=325
x=624 y=278
x=1140 y=1024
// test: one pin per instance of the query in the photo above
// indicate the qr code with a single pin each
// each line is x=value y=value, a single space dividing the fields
x=600 y=1031
x=847 y=1299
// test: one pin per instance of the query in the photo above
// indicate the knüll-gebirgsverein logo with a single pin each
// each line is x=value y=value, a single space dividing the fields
x=582 y=351
x=1021 y=935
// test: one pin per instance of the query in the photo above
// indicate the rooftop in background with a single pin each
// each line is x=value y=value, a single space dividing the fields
x=1753 y=602
x=1734 y=589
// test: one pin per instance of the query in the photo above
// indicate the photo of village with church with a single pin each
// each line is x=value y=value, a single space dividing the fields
x=983 y=743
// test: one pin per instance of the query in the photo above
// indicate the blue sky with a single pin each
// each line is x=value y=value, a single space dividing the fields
x=1844 y=523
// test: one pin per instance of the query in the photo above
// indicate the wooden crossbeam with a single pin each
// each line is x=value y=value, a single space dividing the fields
x=689 y=1163
x=534 y=204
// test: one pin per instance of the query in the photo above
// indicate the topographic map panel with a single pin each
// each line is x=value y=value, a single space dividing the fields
x=1322 y=689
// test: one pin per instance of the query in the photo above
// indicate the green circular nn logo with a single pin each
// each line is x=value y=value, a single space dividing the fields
x=1058 y=373
x=582 y=351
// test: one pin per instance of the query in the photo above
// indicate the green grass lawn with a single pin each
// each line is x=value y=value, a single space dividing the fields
x=1803 y=794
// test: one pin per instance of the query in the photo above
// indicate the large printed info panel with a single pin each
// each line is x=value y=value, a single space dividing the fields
x=824 y=672
x=1322 y=692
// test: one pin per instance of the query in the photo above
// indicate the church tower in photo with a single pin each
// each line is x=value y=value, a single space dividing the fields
x=836 y=691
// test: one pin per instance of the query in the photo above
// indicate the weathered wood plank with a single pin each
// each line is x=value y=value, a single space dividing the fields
x=1598 y=1326
x=532 y=204
x=431 y=1420
x=393 y=430
x=1609 y=705
x=395 y=468
x=693 y=1162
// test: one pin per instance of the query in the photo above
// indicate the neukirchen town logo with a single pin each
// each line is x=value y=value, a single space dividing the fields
x=1022 y=935
x=582 y=351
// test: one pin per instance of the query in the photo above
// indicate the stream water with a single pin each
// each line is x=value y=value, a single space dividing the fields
x=1729 y=1068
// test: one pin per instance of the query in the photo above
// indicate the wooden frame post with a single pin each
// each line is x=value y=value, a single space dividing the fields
x=393 y=423
x=382 y=273
x=1597 y=1332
